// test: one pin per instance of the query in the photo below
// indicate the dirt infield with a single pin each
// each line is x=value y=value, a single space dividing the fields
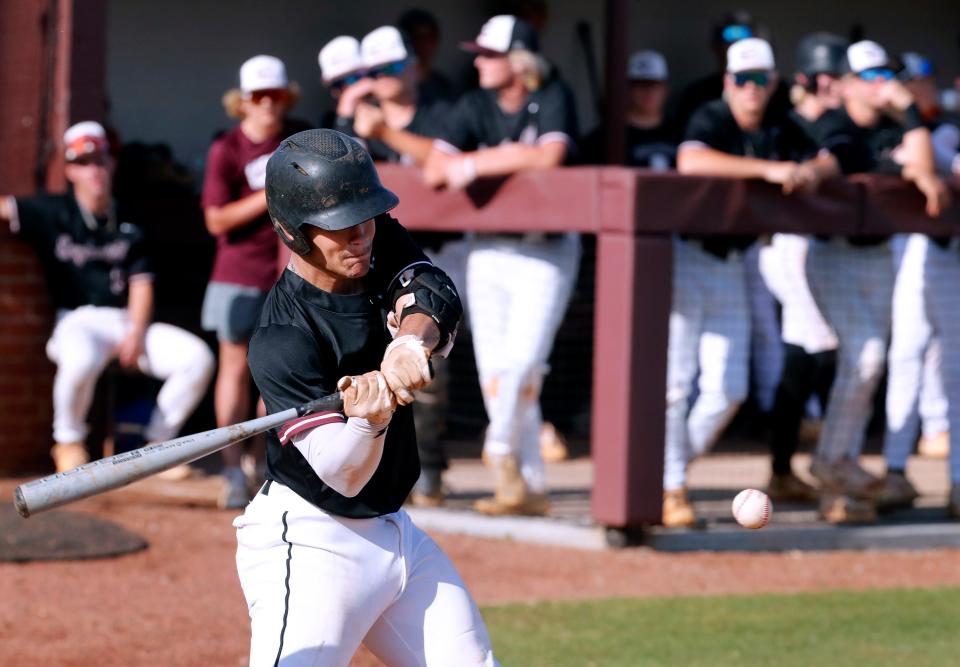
x=179 y=602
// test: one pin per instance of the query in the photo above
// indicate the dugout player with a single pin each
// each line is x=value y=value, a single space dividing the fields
x=518 y=285
x=99 y=277
x=809 y=344
x=878 y=129
x=922 y=370
x=710 y=319
x=235 y=210
x=327 y=557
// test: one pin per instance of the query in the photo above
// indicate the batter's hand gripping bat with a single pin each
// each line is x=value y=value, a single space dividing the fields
x=122 y=469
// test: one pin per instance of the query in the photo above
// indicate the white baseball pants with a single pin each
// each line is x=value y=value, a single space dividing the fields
x=518 y=291
x=709 y=334
x=318 y=585
x=766 y=347
x=84 y=341
x=941 y=276
x=853 y=286
x=914 y=389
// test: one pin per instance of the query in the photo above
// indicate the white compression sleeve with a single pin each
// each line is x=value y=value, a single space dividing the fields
x=344 y=456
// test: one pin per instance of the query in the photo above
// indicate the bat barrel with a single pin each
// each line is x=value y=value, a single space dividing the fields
x=122 y=469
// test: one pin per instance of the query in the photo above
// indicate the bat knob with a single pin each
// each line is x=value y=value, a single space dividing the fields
x=344 y=383
x=20 y=503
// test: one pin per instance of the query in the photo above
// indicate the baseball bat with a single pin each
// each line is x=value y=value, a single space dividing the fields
x=121 y=469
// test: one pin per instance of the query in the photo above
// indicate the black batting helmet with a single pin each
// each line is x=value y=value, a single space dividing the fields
x=822 y=53
x=325 y=179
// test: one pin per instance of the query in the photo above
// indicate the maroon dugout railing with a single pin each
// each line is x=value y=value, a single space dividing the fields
x=633 y=213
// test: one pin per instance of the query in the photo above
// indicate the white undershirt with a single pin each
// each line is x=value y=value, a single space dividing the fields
x=344 y=455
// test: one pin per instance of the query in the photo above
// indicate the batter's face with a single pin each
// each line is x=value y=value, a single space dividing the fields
x=342 y=256
x=494 y=69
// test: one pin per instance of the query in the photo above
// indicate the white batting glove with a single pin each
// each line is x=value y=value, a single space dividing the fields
x=406 y=367
x=368 y=397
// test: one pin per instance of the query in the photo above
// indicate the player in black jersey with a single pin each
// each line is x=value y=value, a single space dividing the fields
x=327 y=558
x=100 y=282
x=518 y=285
x=710 y=317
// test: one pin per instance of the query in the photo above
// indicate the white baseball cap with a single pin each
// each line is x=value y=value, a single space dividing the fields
x=84 y=139
x=502 y=34
x=262 y=73
x=383 y=45
x=647 y=66
x=866 y=55
x=339 y=57
x=750 y=54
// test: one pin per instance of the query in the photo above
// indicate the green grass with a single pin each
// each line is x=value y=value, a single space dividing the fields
x=912 y=628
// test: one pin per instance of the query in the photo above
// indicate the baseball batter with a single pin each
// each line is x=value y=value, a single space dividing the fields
x=518 y=285
x=100 y=282
x=327 y=558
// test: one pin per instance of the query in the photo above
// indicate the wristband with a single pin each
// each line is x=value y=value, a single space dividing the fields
x=469 y=168
x=913 y=119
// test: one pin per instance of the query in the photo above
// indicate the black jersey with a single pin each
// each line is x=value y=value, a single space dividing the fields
x=87 y=261
x=426 y=122
x=477 y=121
x=778 y=138
x=646 y=147
x=307 y=339
x=859 y=149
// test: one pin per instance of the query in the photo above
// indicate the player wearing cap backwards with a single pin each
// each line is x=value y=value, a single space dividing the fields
x=878 y=129
x=327 y=557
x=245 y=266
x=809 y=344
x=922 y=369
x=651 y=138
x=100 y=282
x=518 y=285
x=709 y=319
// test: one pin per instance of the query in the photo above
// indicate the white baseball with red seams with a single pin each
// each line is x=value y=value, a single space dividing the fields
x=752 y=508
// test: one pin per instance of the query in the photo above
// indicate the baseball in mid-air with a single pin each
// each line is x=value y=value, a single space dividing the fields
x=752 y=508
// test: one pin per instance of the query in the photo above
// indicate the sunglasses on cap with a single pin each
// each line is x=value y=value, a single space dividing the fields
x=276 y=95
x=877 y=74
x=389 y=69
x=759 y=78
x=734 y=33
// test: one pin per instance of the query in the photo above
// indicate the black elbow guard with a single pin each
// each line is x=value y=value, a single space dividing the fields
x=434 y=295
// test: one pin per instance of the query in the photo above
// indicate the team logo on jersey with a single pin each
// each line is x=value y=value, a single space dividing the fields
x=79 y=253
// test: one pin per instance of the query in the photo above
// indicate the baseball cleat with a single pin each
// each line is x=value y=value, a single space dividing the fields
x=677 y=510
x=896 y=492
x=842 y=509
x=845 y=477
x=934 y=446
x=553 y=447
x=532 y=504
x=790 y=488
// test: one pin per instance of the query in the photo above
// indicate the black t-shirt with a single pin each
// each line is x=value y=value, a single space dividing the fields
x=646 y=147
x=307 y=339
x=477 y=121
x=859 y=149
x=778 y=138
x=710 y=88
x=426 y=122
x=87 y=261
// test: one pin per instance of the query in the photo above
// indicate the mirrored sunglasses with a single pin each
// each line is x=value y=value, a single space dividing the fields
x=98 y=159
x=759 y=78
x=734 y=33
x=348 y=80
x=276 y=95
x=390 y=69
x=877 y=74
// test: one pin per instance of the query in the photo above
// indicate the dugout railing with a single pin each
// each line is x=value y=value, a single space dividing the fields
x=633 y=214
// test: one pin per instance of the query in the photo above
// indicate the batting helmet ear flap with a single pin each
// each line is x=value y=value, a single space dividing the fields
x=292 y=237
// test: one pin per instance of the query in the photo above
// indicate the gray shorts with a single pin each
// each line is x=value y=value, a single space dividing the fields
x=232 y=311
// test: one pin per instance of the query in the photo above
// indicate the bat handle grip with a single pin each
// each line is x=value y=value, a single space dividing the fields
x=330 y=403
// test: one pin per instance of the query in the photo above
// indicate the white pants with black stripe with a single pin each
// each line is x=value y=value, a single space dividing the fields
x=518 y=291
x=915 y=393
x=709 y=344
x=85 y=341
x=853 y=287
x=318 y=585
